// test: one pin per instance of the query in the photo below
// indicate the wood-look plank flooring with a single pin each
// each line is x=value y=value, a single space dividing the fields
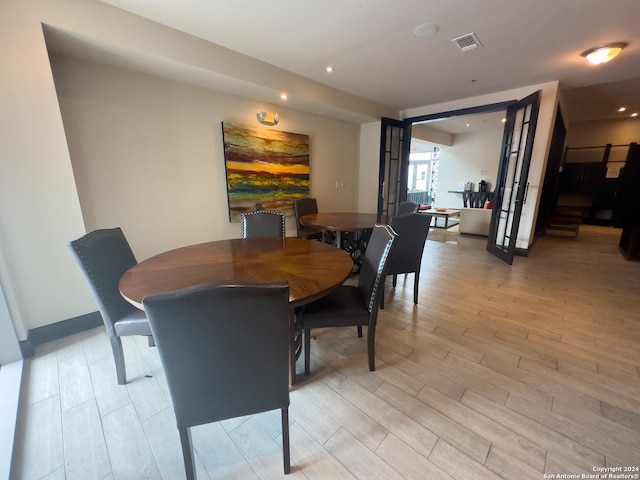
x=501 y=372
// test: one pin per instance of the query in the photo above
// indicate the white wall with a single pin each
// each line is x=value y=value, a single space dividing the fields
x=470 y=154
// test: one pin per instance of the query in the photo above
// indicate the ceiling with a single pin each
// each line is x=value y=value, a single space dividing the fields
x=480 y=122
x=375 y=56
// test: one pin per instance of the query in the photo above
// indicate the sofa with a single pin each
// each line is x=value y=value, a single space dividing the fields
x=475 y=221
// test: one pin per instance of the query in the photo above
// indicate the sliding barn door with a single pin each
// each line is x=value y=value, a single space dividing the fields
x=511 y=187
x=395 y=142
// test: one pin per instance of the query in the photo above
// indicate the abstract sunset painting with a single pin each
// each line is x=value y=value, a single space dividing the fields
x=264 y=166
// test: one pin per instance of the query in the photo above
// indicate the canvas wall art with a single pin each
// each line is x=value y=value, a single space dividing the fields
x=264 y=166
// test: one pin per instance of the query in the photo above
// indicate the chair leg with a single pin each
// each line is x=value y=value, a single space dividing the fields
x=416 y=279
x=395 y=280
x=371 y=345
x=152 y=342
x=285 y=441
x=360 y=331
x=187 y=453
x=118 y=356
x=307 y=350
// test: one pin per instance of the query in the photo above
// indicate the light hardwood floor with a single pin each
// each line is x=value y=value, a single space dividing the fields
x=500 y=372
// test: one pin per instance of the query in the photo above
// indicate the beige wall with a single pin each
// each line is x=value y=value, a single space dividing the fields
x=369 y=167
x=428 y=134
x=592 y=134
x=9 y=348
x=147 y=154
x=39 y=207
x=42 y=207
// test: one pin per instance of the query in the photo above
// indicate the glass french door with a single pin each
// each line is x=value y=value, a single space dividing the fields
x=511 y=185
x=395 y=142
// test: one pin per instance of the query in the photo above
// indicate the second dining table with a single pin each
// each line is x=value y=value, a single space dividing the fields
x=352 y=229
x=311 y=268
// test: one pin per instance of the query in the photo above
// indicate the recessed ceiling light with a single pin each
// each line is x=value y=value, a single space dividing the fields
x=329 y=69
x=504 y=120
x=284 y=96
x=603 y=53
x=426 y=29
x=468 y=124
x=634 y=114
x=622 y=109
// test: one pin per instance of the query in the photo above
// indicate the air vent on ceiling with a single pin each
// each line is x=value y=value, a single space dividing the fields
x=467 y=42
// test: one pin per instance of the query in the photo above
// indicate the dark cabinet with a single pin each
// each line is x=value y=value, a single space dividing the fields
x=630 y=242
x=589 y=185
x=628 y=211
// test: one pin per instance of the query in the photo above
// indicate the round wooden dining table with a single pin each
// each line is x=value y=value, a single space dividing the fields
x=343 y=221
x=352 y=229
x=311 y=268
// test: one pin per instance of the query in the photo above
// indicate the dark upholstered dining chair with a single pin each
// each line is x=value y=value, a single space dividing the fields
x=263 y=223
x=350 y=305
x=412 y=230
x=302 y=207
x=224 y=348
x=407 y=207
x=103 y=256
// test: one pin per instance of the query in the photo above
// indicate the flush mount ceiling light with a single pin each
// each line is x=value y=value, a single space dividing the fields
x=603 y=53
x=426 y=29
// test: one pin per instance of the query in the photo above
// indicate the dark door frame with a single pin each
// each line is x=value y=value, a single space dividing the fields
x=513 y=173
x=387 y=205
x=488 y=108
x=395 y=141
x=404 y=161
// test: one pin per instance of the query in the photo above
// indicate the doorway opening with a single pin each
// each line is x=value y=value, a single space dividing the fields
x=511 y=183
x=398 y=137
x=423 y=175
